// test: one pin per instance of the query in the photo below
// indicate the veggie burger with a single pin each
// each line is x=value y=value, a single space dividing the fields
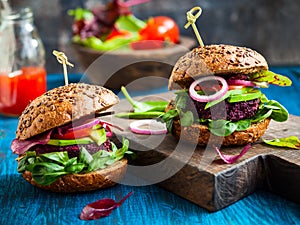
x=63 y=147
x=219 y=94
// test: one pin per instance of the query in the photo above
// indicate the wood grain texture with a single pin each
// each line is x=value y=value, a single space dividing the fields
x=215 y=185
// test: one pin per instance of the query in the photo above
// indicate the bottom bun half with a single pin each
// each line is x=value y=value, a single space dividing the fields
x=200 y=134
x=84 y=182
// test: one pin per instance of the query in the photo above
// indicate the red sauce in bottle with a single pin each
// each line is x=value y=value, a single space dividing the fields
x=19 y=88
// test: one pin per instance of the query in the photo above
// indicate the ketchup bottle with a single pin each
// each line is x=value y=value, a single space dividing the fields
x=22 y=64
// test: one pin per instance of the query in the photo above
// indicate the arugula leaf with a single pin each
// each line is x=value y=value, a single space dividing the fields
x=289 y=142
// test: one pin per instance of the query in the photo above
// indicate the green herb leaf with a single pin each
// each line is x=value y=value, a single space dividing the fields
x=147 y=106
x=119 y=154
x=58 y=157
x=168 y=118
x=81 y=14
x=47 y=173
x=129 y=23
x=289 y=142
x=85 y=157
x=279 y=115
x=47 y=168
x=243 y=124
x=222 y=127
x=26 y=160
x=186 y=118
x=271 y=78
x=75 y=168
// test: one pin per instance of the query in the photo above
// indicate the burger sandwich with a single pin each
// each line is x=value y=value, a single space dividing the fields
x=219 y=95
x=61 y=144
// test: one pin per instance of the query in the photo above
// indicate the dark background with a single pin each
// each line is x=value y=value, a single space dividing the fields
x=270 y=26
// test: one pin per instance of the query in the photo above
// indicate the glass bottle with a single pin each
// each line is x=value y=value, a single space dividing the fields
x=22 y=64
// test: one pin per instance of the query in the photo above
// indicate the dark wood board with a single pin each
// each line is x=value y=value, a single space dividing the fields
x=199 y=175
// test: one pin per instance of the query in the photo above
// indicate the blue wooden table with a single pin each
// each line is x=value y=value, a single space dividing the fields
x=22 y=203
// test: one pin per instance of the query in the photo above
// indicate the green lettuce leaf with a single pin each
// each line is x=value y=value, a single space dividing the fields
x=288 y=142
x=47 y=168
x=270 y=78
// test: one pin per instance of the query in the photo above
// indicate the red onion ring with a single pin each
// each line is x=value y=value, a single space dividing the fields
x=246 y=83
x=208 y=98
x=160 y=128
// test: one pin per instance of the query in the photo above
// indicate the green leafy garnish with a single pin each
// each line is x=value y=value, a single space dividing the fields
x=270 y=78
x=47 y=168
x=288 y=142
x=143 y=110
x=81 y=14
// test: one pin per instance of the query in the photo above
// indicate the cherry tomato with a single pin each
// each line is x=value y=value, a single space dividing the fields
x=160 y=28
x=85 y=132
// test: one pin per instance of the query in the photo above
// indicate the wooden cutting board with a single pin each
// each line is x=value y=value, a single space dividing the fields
x=198 y=175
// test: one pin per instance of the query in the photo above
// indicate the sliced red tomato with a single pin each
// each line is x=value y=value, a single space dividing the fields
x=159 y=28
x=74 y=134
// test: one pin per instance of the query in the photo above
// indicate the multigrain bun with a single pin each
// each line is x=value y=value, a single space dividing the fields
x=215 y=59
x=62 y=105
x=98 y=179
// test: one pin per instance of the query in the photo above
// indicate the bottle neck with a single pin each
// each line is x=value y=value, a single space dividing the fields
x=23 y=15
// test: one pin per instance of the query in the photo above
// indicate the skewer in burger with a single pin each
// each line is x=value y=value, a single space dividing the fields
x=63 y=147
x=219 y=96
